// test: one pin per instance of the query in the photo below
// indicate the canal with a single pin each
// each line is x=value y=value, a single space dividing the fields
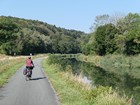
x=124 y=83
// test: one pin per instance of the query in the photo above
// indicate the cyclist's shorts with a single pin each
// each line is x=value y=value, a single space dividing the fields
x=29 y=67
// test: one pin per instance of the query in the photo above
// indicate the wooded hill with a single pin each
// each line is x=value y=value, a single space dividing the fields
x=22 y=36
x=110 y=35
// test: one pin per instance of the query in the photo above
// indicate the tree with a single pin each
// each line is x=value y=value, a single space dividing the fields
x=100 y=21
x=129 y=28
x=133 y=42
x=8 y=34
x=105 y=39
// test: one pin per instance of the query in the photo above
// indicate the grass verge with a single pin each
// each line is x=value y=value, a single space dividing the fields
x=71 y=91
x=66 y=91
x=8 y=67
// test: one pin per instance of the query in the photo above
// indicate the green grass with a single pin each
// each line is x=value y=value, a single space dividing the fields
x=67 y=91
x=119 y=64
x=72 y=91
x=112 y=99
x=8 y=67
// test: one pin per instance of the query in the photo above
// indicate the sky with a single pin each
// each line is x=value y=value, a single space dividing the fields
x=69 y=14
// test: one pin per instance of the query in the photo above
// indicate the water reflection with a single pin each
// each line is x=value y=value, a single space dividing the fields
x=125 y=82
x=99 y=76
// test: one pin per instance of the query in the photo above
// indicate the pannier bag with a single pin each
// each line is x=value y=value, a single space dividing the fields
x=25 y=71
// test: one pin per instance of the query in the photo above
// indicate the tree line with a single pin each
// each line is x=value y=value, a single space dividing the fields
x=22 y=36
x=111 y=35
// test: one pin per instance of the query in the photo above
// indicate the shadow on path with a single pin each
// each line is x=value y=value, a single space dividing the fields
x=38 y=78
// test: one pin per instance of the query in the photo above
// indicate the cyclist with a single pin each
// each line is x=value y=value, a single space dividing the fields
x=29 y=65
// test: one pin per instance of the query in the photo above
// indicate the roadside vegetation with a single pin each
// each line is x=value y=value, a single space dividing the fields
x=72 y=90
x=8 y=66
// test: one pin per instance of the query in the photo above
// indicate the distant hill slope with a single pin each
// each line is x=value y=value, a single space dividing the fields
x=22 y=36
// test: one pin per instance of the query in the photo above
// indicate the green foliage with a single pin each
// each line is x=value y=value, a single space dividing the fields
x=109 y=36
x=87 y=44
x=22 y=36
x=114 y=37
x=105 y=39
x=133 y=42
x=94 y=92
x=8 y=30
x=8 y=34
x=120 y=43
x=106 y=96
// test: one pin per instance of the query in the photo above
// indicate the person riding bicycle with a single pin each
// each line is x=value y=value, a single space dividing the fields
x=29 y=65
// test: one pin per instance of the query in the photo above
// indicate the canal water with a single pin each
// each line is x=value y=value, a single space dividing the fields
x=124 y=83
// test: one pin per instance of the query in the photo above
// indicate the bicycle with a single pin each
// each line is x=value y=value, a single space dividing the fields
x=28 y=73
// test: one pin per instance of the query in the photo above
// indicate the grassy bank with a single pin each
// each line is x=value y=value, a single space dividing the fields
x=71 y=90
x=112 y=60
x=68 y=93
x=119 y=64
x=8 y=66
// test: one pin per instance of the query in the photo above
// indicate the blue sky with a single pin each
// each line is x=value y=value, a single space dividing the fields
x=69 y=14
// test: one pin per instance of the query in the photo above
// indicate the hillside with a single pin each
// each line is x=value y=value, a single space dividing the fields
x=22 y=36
